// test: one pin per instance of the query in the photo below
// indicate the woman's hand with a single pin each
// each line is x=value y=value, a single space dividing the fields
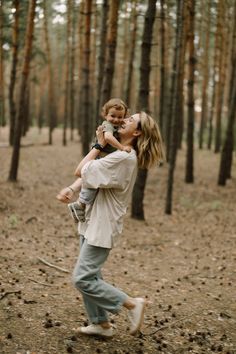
x=65 y=195
x=100 y=136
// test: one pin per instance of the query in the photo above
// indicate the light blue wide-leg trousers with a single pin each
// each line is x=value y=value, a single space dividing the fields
x=99 y=297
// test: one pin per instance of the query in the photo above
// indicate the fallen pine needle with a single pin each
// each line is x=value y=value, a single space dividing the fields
x=52 y=265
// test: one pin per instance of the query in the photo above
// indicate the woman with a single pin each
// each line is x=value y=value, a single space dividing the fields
x=115 y=176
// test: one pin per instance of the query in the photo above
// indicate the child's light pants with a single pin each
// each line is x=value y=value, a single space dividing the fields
x=98 y=296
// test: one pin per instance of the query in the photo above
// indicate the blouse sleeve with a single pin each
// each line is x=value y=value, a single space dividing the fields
x=108 y=172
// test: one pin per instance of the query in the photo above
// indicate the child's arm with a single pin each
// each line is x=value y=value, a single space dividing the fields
x=110 y=139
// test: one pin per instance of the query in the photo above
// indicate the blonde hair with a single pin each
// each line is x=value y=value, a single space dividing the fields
x=117 y=103
x=149 y=145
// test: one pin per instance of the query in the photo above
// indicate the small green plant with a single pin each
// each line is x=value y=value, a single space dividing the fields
x=13 y=220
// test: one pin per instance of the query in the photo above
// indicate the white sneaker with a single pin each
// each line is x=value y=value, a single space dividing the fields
x=136 y=315
x=96 y=330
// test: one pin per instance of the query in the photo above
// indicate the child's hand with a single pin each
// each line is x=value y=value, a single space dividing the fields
x=65 y=195
x=126 y=148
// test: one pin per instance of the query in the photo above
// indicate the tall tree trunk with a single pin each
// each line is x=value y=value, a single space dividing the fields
x=204 y=109
x=189 y=174
x=220 y=86
x=72 y=73
x=163 y=67
x=215 y=73
x=26 y=121
x=143 y=103
x=227 y=151
x=110 y=51
x=131 y=53
x=174 y=118
x=101 y=58
x=93 y=71
x=81 y=25
x=24 y=79
x=67 y=72
x=51 y=103
x=2 y=95
x=180 y=108
x=86 y=79
x=15 y=47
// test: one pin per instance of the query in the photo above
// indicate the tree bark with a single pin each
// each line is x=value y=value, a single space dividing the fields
x=67 y=73
x=86 y=79
x=72 y=72
x=227 y=150
x=174 y=118
x=2 y=94
x=204 y=109
x=101 y=58
x=131 y=53
x=110 y=51
x=189 y=173
x=215 y=72
x=51 y=104
x=221 y=81
x=15 y=47
x=163 y=68
x=24 y=79
x=143 y=103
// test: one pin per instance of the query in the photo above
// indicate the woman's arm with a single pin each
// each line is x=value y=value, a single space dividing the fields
x=93 y=153
x=90 y=156
x=66 y=194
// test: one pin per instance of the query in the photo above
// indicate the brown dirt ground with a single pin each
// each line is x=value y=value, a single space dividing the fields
x=184 y=263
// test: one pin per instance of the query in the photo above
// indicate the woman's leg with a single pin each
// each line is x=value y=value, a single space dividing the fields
x=99 y=296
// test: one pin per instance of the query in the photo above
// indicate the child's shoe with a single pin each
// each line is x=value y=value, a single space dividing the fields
x=77 y=211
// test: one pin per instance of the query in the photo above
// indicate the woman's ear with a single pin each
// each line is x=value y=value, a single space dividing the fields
x=137 y=132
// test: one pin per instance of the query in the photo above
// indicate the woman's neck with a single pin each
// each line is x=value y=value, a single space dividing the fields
x=127 y=141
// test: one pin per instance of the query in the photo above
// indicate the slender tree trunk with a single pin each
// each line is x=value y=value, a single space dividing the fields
x=15 y=47
x=24 y=79
x=51 y=104
x=163 y=68
x=204 y=109
x=81 y=26
x=26 y=121
x=132 y=53
x=86 y=78
x=2 y=95
x=101 y=58
x=215 y=73
x=93 y=70
x=174 y=118
x=143 y=103
x=220 y=86
x=189 y=174
x=67 y=72
x=110 y=51
x=72 y=73
x=227 y=151
x=180 y=108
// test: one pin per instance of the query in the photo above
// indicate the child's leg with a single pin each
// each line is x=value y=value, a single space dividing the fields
x=87 y=195
x=77 y=209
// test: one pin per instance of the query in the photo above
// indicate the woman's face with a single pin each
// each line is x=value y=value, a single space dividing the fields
x=130 y=126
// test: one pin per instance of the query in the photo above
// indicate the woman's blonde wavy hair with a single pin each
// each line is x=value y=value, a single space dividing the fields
x=149 y=146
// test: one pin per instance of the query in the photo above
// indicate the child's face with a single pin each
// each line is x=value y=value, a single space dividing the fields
x=115 y=116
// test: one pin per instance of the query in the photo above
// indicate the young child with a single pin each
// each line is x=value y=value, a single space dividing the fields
x=114 y=111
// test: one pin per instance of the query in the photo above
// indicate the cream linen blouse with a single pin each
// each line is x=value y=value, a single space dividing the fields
x=115 y=176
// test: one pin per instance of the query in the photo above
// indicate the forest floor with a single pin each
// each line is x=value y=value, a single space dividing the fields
x=183 y=263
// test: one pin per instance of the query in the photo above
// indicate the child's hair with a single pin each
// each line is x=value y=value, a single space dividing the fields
x=149 y=145
x=117 y=103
